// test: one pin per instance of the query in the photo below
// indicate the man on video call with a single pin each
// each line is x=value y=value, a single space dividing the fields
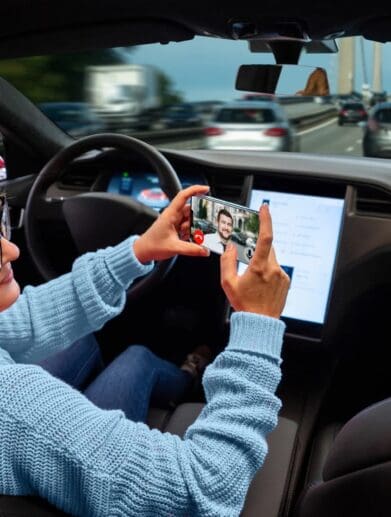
x=218 y=241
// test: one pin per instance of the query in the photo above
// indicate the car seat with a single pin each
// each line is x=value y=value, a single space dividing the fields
x=350 y=470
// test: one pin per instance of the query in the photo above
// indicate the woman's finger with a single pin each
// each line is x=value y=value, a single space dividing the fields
x=180 y=200
x=265 y=239
x=191 y=250
x=228 y=267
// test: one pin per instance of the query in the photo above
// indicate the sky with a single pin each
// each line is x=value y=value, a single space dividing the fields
x=205 y=68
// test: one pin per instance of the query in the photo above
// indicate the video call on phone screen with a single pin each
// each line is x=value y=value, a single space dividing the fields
x=215 y=224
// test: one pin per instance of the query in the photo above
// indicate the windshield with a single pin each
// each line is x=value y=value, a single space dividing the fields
x=174 y=95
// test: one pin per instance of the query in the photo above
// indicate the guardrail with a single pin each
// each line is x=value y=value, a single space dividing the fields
x=301 y=122
x=294 y=99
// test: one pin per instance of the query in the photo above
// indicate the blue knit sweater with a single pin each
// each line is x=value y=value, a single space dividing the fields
x=92 y=462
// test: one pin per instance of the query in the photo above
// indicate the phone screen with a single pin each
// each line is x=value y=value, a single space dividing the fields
x=215 y=223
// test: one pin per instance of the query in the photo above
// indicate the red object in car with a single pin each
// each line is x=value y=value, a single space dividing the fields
x=3 y=170
x=276 y=131
x=198 y=236
x=213 y=131
x=153 y=194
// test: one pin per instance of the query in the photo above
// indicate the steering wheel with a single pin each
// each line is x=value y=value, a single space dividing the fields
x=96 y=219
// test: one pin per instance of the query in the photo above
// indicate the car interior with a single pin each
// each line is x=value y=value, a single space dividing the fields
x=330 y=454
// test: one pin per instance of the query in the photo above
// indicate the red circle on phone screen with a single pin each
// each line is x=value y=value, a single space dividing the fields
x=198 y=236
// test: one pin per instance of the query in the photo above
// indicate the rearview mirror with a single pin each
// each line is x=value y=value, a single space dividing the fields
x=283 y=80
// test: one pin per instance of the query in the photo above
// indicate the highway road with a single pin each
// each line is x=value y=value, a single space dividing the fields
x=329 y=138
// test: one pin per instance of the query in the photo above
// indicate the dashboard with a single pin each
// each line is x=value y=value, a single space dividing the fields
x=143 y=186
x=331 y=226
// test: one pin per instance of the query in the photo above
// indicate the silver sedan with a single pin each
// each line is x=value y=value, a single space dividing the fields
x=250 y=126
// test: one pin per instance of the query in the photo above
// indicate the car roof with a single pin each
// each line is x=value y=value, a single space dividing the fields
x=382 y=105
x=30 y=28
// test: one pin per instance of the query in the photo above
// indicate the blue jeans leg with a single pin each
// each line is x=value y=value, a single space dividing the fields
x=78 y=364
x=136 y=379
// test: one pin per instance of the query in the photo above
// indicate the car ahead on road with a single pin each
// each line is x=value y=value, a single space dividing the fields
x=352 y=112
x=181 y=115
x=378 y=97
x=251 y=126
x=149 y=119
x=75 y=118
x=330 y=453
x=377 y=132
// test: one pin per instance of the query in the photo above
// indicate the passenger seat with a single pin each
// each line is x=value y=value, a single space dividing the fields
x=351 y=475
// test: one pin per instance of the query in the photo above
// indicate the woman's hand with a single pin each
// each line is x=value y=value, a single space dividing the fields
x=163 y=239
x=263 y=288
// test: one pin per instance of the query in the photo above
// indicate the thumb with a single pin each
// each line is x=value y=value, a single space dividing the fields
x=228 y=265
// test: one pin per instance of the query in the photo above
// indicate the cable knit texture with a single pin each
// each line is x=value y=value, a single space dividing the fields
x=92 y=462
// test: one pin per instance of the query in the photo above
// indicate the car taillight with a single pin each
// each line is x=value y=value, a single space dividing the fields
x=2 y=164
x=362 y=112
x=343 y=112
x=213 y=131
x=373 y=125
x=276 y=131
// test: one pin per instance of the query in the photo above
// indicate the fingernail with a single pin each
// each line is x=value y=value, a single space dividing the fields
x=207 y=252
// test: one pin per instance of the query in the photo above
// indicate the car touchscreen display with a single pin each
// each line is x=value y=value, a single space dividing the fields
x=306 y=235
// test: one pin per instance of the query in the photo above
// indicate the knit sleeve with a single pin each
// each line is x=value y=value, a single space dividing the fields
x=48 y=318
x=91 y=462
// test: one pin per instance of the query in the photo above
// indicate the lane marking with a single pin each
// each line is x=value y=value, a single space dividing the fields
x=315 y=128
x=350 y=148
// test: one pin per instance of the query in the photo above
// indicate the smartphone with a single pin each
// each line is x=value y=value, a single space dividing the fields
x=215 y=223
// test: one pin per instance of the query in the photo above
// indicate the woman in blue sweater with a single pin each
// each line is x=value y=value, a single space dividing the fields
x=57 y=444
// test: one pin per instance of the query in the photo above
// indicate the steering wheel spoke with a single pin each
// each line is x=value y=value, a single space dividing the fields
x=106 y=219
x=50 y=209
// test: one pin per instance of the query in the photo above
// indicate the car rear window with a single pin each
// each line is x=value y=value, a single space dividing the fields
x=246 y=116
x=384 y=116
x=353 y=106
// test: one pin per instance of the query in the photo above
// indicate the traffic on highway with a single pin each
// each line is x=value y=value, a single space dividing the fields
x=142 y=91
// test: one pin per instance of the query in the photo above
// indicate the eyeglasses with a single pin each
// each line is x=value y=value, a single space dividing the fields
x=5 y=224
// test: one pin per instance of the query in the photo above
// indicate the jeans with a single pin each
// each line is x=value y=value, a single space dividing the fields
x=131 y=382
